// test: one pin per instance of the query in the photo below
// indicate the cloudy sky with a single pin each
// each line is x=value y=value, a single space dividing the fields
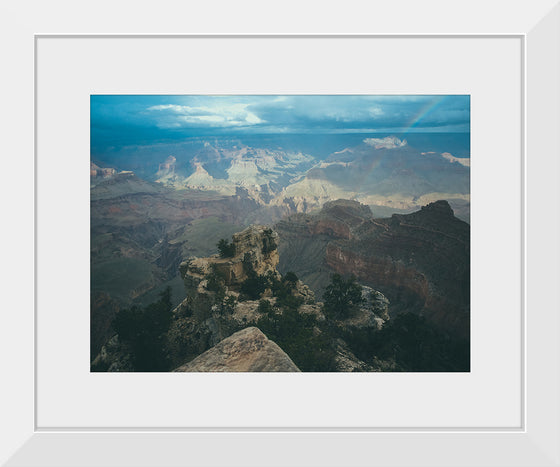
x=118 y=120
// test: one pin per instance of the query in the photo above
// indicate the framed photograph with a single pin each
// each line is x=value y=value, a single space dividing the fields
x=152 y=149
x=280 y=233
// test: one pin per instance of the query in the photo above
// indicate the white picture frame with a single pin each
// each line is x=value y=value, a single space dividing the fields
x=534 y=442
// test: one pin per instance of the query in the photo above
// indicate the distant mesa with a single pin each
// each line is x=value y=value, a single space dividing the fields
x=202 y=180
x=223 y=167
x=440 y=207
x=384 y=172
x=347 y=210
x=166 y=171
x=168 y=165
x=389 y=142
x=466 y=161
x=246 y=350
x=98 y=172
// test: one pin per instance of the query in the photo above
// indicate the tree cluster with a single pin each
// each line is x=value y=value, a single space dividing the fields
x=342 y=297
x=269 y=244
x=412 y=343
x=254 y=286
x=226 y=249
x=143 y=330
x=298 y=334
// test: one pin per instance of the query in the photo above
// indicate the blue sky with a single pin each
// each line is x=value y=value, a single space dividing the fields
x=119 y=120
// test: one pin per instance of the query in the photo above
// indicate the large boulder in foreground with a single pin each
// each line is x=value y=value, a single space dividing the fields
x=246 y=350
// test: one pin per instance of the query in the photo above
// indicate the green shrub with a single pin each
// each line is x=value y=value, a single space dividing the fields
x=291 y=278
x=289 y=301
x=265 y=307
x=342 y=297
x=226 y=249
x=253 y=286
x=413 y=343
x=283 y=289
x=296 y=333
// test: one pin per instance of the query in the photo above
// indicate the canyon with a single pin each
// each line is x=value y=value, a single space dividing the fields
x=407 y=264
x=421 y=261
x=381 y=209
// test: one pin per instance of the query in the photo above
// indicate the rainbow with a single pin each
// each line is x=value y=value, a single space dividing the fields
x=428 y=107
x=365 y=175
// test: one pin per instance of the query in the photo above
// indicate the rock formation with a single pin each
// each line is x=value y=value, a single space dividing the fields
x=255 y=249
x=246 y=350
x=420 y=261
x=213 y=308
x=167 y=167
x=103 y=173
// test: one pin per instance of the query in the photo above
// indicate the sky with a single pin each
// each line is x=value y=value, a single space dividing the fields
x=120 y=120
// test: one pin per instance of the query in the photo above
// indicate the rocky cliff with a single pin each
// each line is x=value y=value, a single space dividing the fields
x=420 y=261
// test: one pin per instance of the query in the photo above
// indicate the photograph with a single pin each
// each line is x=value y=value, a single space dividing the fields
x=280 y=233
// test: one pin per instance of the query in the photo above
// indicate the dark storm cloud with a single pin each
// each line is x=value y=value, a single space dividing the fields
x=121 y=120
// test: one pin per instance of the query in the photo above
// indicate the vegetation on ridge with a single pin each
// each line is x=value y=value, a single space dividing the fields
x=342 y=297
x=143 y=331
x=226 y=249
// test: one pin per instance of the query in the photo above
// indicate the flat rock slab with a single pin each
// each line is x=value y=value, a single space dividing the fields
x=246 y=350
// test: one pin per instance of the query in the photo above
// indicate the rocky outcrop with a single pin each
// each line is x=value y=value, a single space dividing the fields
x=255 y=250
x=258 y=246
x=376 y=302
x=247 y=350
x=372 y=313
